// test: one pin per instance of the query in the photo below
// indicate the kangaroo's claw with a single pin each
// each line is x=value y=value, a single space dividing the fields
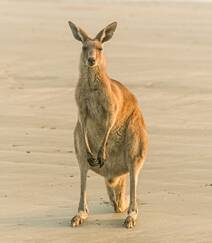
x=129 y=222
x=100 y=162
x=101 y=157
x=92 y=162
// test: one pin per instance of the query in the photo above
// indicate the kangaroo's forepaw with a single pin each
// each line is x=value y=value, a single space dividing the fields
x=92 y=161
x=77 y=220
x=129 y=222
x=100 y=162
x=101 y=157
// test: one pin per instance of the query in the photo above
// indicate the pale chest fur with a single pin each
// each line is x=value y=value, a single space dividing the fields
x=93 y=103
x=91 y=97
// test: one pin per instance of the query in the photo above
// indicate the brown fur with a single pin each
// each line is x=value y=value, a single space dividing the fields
x=110 y=135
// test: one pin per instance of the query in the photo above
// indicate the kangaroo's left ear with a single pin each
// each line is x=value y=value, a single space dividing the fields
x=107 y=33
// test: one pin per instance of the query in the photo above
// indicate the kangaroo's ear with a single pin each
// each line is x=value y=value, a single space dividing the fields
x=107 y=33
x=78 y=33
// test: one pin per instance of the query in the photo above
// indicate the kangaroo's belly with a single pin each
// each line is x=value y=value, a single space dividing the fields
x=115 y=165
x=96 y=104
x=96 y=132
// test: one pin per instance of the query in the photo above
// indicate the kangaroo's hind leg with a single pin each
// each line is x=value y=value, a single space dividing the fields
x=135 y=154
x=80 y=149
x=130 y=221
x=116 y=189
x=82 y=214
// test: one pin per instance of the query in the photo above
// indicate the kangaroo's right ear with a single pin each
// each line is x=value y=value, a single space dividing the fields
x=78 y=33
x=107 y=33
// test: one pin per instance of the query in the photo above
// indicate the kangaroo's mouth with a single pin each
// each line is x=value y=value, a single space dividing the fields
x=91 y=65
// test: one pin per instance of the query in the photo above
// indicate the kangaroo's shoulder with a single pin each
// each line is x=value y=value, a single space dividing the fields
x=126 y=93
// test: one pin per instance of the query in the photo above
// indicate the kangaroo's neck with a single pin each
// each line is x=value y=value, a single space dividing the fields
x=93 y=77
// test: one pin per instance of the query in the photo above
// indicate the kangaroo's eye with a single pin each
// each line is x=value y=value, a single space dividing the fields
x=100 y=48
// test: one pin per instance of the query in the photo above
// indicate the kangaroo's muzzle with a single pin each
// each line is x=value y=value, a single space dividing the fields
x=91 y=61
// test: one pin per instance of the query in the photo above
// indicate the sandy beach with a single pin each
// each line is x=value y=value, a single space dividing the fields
x=163 y=52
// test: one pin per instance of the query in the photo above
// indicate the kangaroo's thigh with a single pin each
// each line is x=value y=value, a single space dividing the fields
x=135 y=144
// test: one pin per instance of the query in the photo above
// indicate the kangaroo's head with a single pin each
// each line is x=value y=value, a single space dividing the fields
x=92 y=51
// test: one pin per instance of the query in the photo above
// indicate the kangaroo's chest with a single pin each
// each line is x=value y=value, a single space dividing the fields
x=93 y=102
x=96 y=105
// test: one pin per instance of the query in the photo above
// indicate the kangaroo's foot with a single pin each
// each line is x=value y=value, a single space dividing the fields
x=78 y=219
x=130 y=220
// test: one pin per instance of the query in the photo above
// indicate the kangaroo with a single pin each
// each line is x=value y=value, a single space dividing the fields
x=110 y=137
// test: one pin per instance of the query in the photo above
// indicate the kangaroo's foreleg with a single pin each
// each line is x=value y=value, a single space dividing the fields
x=90 y=157
x=109 y=124
x=83 y=208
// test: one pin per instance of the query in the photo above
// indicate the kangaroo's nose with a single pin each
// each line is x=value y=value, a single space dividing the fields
x=91 y=61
